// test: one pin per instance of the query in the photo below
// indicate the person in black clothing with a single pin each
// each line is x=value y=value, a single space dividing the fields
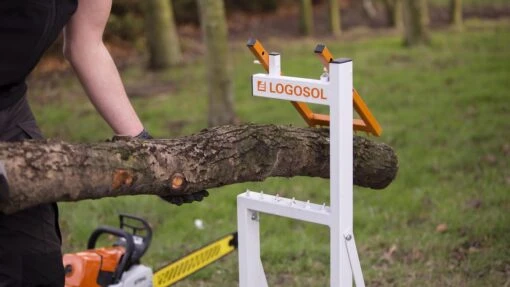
x=30 y=243
x=30 y=253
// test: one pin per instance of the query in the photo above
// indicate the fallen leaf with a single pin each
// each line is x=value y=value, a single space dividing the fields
x=506 y=149
x=388 y=255
x=471 y=111
x=489 y=158
x=474 y=203
x=441 y=228
x=458 y=255
x=417 y=254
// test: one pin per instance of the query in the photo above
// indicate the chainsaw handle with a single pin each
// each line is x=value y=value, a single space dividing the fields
x=130 y=246
x=135 y=230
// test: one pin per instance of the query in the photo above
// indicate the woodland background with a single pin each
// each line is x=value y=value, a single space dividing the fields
x=443 y=104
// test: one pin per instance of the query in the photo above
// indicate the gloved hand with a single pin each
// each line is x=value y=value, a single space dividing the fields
x=185 y=198
x=177 y=199
x=144 y=135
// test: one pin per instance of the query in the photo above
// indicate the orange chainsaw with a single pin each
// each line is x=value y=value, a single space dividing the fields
x=119 y=265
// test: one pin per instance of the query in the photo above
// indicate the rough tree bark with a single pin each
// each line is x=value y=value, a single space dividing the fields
x=48 y=171
x=369 y=8
x=219 y=75
x=394 y=13
x=456 y=14
x=415 y=26
x=425 y=14
x=306 y=17
x=162 y=37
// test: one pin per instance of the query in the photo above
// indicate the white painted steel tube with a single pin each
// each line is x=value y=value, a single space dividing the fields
x=341 y=169
x=275 y=68
x=251 y=271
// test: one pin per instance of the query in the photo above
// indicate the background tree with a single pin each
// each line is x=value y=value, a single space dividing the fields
x=425 y=15
x=370 y=10
x=219 y=78
x=394 y=13
x=456 y=14
x=162 y=37
x=415 y=28
x=334 y=18
x=306 y=17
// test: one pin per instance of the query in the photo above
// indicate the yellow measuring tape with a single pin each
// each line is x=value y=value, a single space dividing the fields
x=194 y=261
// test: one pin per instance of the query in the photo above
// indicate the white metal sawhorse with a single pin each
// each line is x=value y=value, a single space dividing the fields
x=334 y=90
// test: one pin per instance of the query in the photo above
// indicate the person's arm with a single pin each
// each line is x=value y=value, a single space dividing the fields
x=85 y=50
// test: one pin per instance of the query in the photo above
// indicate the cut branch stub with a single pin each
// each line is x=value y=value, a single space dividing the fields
x=122 y=177
x=178 y=181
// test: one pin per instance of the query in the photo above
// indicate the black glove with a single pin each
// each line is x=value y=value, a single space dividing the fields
x=185 y=198
x=144 y=135
x=177 y=199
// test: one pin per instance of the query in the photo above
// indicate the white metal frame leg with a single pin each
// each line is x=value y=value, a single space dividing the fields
x=251 y=271
x=350 y=245
x=341 y=169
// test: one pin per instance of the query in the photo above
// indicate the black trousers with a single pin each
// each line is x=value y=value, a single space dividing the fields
x=30 y=253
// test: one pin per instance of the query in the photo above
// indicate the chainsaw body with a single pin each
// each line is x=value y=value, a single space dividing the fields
x=115 y=266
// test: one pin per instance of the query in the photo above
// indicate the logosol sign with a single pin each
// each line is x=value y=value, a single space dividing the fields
x=290 y=88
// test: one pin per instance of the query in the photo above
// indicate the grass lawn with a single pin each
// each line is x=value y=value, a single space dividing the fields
x=445 y=109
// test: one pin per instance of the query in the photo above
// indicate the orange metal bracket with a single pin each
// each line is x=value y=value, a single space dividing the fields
x=367 y=123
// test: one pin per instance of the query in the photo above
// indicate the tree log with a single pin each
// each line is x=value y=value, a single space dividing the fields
x=48 y=171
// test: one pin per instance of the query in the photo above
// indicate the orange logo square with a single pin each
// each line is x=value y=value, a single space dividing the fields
x=261 y=86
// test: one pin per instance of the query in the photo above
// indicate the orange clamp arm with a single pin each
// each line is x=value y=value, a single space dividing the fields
x=367 y=123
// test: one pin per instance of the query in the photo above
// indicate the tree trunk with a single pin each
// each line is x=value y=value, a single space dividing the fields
x=306 y=17
x=162 y=37
x=334 y=18
x=415 y=29
x=48 y=171
x=219 y=75
x=394 y=13
x=456 y=14
x=425 y=14
x=369 y=8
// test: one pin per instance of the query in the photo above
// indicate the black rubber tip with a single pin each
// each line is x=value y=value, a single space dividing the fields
x=319 y=48
x=274 y=53
x=341 y=60
x=234 y=242
x=251 y=42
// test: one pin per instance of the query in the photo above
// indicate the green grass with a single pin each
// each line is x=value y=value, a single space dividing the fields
x=445 y=109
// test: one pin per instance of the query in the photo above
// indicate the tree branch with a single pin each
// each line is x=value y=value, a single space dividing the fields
x=48 y=171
